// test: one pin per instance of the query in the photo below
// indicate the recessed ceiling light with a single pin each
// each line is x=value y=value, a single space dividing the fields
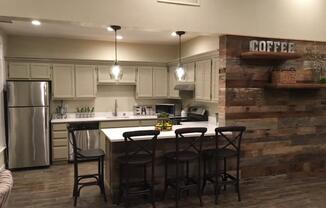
x=109 y=28
x=174 y=34
x=119 y=37
x=36 y=22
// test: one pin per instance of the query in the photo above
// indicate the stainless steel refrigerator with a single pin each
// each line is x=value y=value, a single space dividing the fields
x=28 y=124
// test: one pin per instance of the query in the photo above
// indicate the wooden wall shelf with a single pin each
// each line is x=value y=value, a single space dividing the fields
x=297 y=86
x=270 y=55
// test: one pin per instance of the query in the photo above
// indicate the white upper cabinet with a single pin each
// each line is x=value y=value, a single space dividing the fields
x=215 y=79
x=17 y=70
x=40 y=71
x=128 y=76
x=145 y=82
x=172 y=82
x=160 y=82
x=63 y=81
x=27 y=71
x=203 y=80
x=190 y=72
x=85 y=81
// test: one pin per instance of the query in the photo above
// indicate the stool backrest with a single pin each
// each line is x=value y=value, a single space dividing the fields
x=232 y=141
x=133 y=147
x=194 y=143
x=80 y=126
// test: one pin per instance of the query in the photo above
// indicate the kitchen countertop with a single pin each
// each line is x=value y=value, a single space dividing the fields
x=115 y=134
x=101 y=117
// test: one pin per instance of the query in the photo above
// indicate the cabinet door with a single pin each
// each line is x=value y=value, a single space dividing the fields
x=85 y=81
x=18 y=70
x=203 y=80
x=103 y=73
x=190 y=72
x=172 y=82
x=63 y=81
x=215 y=79
x=129 y=75
x=40 y=71
x=145 y=82
x=160 y=82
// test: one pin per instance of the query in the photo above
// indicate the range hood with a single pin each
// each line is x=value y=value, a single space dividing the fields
x=186 y=86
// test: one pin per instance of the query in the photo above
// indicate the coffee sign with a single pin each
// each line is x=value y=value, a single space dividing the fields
x=271 y=46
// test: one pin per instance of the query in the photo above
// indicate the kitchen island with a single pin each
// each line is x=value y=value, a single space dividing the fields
x=166 y=143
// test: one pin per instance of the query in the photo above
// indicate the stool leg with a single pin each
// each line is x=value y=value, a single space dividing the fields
x=120 y=185
x=238 y=179
x=152 y=183
x=75 y=191
x=177 y=189
x=224 y=174
x=165 y=178
x=187 y=176
x=204 y=176
x=199 y=182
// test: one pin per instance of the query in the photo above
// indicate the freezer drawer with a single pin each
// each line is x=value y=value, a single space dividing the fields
x=28 y=141
x=24 y=94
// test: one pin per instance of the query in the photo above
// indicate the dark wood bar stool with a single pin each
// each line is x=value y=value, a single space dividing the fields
x=80 y=155
x=231 y=148
x=137 y=154
x=188 y=149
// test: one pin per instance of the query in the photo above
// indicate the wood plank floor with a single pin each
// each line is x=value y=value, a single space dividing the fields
x=52 y=187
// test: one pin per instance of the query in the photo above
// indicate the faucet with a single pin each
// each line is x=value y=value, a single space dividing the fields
x=115 y=113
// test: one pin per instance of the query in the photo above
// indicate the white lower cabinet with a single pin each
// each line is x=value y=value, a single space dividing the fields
x=59 y=142
x=63 y=81
x=85 y=81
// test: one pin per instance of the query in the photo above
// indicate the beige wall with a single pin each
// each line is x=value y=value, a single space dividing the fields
x=106 y=95
x=295 y=19
x=2 y=81
x=42 y=47
x=200 y=45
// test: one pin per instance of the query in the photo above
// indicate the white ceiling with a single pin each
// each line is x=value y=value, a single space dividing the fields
x=90 y=32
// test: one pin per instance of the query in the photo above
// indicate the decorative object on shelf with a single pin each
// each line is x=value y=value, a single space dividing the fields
x=61 y=110
x=271 y=46
x=85 y=112
x=180 y=71
x=317 y=62
x=323 y=80
x=284 y=76
x=164 y=123
x=116 y=71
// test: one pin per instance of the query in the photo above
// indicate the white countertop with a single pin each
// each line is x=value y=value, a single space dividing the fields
x=115 y=134
x=101 y=117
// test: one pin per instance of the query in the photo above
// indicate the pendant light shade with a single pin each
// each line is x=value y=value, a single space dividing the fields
x=116 y=71
x=180 y=71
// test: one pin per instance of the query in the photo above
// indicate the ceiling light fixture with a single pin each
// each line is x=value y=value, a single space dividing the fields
x=174 y=34
x=180 y=72
x=116 y=71
x=36 y=22
x=119 y=37
x=110 y=29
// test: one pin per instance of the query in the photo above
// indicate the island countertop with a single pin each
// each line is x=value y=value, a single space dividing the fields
x=115 y=134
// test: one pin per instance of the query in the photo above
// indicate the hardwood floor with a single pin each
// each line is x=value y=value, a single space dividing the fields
x=52 y=187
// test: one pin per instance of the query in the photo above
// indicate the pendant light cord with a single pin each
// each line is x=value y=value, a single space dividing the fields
x=115 y=46
x=179 y=50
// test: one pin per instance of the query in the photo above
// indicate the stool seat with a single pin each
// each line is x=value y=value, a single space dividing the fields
x=138 y=159
x=91 y=153
x=221 y=153
x=182 y=156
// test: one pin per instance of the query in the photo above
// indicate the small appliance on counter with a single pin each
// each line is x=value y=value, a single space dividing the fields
x=194 y=113
x=61 y=111
x=171 y=109
x=143 y=110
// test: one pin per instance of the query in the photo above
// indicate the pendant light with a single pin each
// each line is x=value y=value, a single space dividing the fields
x=116 y=71
x=180 y=72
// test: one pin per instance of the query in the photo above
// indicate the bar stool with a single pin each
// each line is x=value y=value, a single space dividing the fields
x=188 y=149
x=231 y=149
x=137 y=154
x=80 y=155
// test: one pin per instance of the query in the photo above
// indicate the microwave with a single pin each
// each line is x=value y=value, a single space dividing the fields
x=171 y=109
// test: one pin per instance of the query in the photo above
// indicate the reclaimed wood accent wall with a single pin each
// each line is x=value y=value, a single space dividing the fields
x=286 y=127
